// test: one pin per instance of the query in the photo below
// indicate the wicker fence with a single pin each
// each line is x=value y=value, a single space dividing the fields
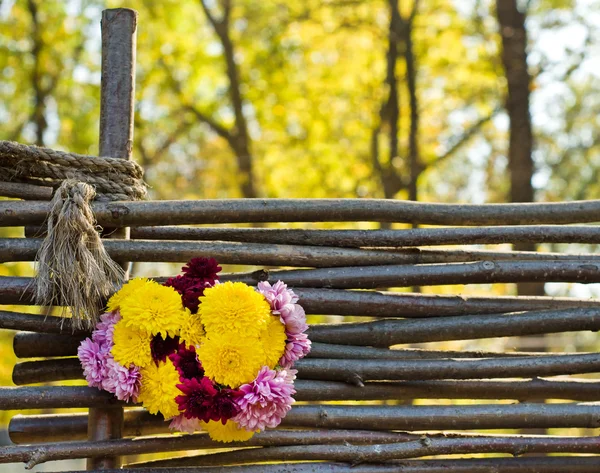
x=350 y=361
x=342 y=273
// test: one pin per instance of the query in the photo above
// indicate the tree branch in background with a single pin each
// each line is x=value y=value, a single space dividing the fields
x=147 y=159
x=240 y=139
x=216 y=127
x=467 y=135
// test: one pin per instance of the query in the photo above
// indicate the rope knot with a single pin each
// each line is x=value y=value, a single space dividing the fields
x=74 y=269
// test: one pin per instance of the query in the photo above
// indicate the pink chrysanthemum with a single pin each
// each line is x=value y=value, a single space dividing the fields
x=103 y=334
x=124 y=382
x=283 y=303
x=266 y=400
x=93 y=360
x=297 y=346
x=277 y=295
x=181 y=423
x=294 y=319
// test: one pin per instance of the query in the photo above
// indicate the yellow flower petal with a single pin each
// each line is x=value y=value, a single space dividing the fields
x=129 y=288
x=192 y=331
x=159 y=389
x=131 y=346
x=155 y=309
x=230 y=359
x=230 y=432
x=233 y=308
x=273 y=341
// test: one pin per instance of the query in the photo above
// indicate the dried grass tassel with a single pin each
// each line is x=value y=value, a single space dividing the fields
x=74 y=269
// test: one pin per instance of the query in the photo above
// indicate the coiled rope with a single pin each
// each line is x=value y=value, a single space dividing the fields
x=74 y=269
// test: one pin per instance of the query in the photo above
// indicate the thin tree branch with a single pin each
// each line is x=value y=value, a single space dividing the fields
x=466 y=136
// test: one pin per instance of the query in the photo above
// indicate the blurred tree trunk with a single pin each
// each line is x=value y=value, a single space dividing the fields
x=520 y=161
x=38 y=116
x=393 y=175
x=389 y=114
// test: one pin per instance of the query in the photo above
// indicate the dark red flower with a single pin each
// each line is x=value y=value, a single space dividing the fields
x=224 y=405
x=202 y=268
x=187 y=363
x=182 y=283
x=190 y=289
x=190 y=298
x=197 y=399
x=161 y=348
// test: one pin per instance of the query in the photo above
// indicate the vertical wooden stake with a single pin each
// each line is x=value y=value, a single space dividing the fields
x=116 y=141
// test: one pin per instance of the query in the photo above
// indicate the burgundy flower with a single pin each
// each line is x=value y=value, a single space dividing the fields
x=190 y=289
x=187 y=363
x=197 y=399
x=161 y=348
x=202 y=268
x=190 y=298
x=182 y=283
x=225 y=406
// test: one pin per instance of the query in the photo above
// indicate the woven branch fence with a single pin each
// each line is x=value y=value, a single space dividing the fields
x=367 y=402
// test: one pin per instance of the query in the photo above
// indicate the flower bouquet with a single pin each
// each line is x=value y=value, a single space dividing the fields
x=206 y=355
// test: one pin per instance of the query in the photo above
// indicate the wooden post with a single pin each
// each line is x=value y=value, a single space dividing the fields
x=116 y=141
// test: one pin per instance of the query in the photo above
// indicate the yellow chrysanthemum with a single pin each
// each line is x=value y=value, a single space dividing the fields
x=233 y=308
x=192 y=330
x=230 y=359
x=131 y=345
x=230 y=432
x=159 y=388
x=127 y=290
x=155 y=309
x=273 y=341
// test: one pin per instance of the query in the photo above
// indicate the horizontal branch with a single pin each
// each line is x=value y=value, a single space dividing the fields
x=355 y=371
x=25 y=249
x=26 y=191
x=408 y=305
x=56 y=397
x=481 y=272
x=384 y=333
x=39 y=345
x=175 y=250
x=329 y=350
x=380 y=238
x=358 y=371
x=33 y=455
x=388 y=332
x=18 y=290
x=46 y=428
x=123 y=214
x=63 y=427
x=473 y=465
x=522 y=390
x=421 y=447
x=46 y=371
x=484 y=417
